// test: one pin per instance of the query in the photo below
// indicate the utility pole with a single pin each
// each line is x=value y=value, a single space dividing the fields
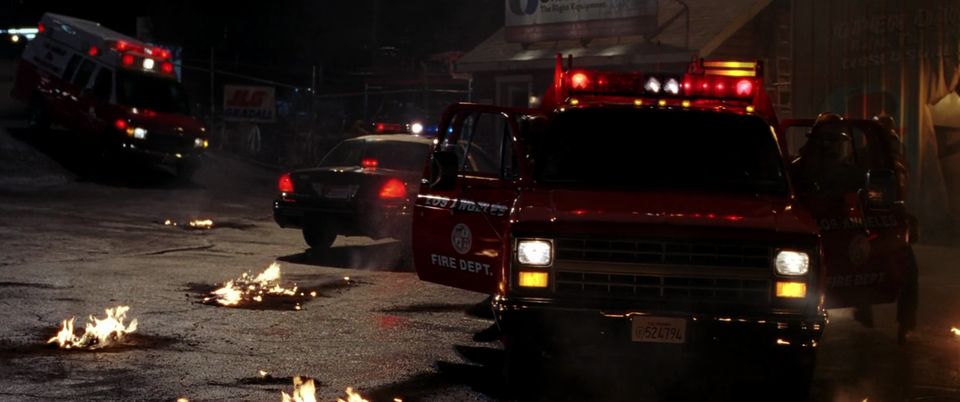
x=212 y=93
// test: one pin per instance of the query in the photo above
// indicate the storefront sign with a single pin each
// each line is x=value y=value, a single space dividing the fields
x=249 y=103
x=529 y=21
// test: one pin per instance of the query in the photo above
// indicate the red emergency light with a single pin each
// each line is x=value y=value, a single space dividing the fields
x=390 y=128
x=93 y=51
x=167 y=67
x=127 y=59
x=41 y=28
x=369 y=163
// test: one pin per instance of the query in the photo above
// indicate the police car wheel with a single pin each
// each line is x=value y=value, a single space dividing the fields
x=318 y=237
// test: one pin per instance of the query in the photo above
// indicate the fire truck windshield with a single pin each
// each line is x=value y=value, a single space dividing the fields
x=148 y=92
x=660 y=150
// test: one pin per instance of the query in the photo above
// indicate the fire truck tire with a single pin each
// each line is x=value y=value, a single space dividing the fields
x=38 y=117
x=523 y=370
x=319 y=237
x=908 y=301
x=791 y=374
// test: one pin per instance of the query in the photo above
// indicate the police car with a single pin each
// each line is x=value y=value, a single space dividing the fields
x=365 y=186
x=120 y=93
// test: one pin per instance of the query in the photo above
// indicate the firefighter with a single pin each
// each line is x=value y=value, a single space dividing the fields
x=826 y=168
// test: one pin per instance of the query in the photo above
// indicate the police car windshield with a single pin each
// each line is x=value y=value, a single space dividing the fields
x=396 y=155
x=663 y=150
x=149 y=92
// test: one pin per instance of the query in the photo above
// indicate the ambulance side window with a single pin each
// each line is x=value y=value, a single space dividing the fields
x=71 y=67
x=103 y=84
x=83 y=74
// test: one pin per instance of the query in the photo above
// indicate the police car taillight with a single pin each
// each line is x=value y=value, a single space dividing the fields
x=285 y=184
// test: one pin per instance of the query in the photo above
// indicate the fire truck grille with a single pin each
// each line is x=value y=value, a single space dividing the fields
x=664 y=288
x=664 y=271
x=664 y=253
x=168 y=143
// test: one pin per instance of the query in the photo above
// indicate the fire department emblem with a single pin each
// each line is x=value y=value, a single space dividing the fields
x=859 y=250
x=461 y=238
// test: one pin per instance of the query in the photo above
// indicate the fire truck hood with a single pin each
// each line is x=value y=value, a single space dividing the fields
x=659 y=208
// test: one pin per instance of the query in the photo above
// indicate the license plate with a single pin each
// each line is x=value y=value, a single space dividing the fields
x=658 y=329
x=339 y=192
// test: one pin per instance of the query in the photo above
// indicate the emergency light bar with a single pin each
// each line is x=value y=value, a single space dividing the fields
x=705 y=80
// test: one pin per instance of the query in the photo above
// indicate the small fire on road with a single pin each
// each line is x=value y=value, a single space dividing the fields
x=955 y=331
x=99 y=333
x=303 y=391
x=193 y=224
x=252 y=290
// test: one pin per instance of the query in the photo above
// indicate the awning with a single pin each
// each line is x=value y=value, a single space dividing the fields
x=711 y=22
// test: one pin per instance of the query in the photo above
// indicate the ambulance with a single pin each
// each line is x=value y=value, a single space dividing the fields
x=653 y=213
x=122 y=95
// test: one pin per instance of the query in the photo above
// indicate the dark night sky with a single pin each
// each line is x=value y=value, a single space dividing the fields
x=287 y=37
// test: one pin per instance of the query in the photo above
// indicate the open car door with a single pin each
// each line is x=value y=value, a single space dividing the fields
x=850 y=175
x=461 y=216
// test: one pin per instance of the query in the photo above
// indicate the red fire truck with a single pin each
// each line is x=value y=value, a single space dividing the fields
x=120 y=93
x=652 y=211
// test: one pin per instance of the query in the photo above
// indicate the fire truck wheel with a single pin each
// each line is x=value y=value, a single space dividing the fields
x=908 y=301
x=523 y=367
x=319 y=237
x=791 y=374
x=38 y=118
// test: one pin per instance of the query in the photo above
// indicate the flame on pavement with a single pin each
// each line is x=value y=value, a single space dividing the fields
x=955 y=331
x=99 y=333
x=352 y=397
x=303 y=391
x=200 y=224
x=251 y=289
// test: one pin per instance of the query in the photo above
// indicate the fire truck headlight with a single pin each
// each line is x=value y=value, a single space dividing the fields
x=535 y=252
x=792 y=263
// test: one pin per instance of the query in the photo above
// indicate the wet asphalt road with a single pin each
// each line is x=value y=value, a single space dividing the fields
x=78 y=237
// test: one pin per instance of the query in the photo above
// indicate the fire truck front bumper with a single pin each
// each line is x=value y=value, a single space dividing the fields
x=591 y=328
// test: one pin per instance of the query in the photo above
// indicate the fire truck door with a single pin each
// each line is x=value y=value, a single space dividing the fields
x=460 y=227
x=863 y=241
